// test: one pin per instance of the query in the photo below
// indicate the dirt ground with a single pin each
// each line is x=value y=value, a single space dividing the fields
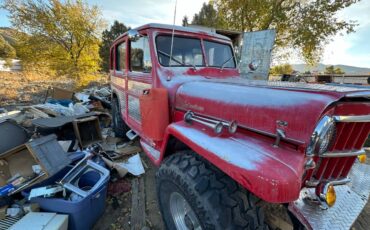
x=117 y=213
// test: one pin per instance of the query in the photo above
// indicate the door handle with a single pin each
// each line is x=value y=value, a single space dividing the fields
x=146 y=91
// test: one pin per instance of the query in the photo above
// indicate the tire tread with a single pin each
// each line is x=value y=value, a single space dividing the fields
x=220 y=202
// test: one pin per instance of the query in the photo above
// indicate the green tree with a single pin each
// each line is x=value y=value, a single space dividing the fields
x=281 y=69
x=61 y=35
x=332 y=70
x=207 y=16
x=108 y=36
x=7 y=52
x=339 y=71
x=185 y=21
x=329 y=69
x=304 y=25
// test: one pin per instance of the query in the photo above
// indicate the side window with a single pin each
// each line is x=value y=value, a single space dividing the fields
x=111 y=58
x=121 y=57
x=140 y=55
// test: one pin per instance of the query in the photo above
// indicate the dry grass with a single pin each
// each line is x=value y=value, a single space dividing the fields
x=19 y=88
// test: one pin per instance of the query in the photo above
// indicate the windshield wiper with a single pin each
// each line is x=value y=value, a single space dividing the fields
x=169 y=56
x=174 y=59
x=223 y=64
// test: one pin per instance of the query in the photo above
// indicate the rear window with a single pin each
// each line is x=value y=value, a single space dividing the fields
x=185 y=51
x=121 y=57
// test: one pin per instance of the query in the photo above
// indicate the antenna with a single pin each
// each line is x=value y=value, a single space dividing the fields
x=173 y=33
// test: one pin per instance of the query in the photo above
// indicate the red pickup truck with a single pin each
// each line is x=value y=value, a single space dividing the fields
x=227 y=147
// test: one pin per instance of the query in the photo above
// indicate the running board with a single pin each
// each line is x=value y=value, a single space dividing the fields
x=150 y=150
x=131 y=134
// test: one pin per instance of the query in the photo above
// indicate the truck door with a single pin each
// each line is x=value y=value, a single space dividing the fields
x=139 y=78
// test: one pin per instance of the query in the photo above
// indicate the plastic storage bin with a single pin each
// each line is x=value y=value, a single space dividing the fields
x=82 y=214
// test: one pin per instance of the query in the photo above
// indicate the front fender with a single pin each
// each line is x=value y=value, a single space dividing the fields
x=273 y=174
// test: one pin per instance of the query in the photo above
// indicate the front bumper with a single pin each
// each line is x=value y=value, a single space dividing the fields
x=351 y=199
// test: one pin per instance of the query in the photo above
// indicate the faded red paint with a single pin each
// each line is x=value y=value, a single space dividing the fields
x=273 y=174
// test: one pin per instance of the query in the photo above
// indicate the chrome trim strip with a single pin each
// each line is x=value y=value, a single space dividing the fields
x=358 y=94
x=362 y=118
x=342 y=154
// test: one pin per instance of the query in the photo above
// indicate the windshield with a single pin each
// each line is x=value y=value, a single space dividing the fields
x=188 y=52
x=185 y=51
x=219 y=55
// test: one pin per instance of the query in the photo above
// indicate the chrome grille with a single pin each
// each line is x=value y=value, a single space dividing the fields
x=350 y=136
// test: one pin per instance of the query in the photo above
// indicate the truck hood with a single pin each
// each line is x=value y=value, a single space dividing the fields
x=258 y=105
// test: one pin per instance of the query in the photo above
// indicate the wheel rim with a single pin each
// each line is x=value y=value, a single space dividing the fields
x=182 y=214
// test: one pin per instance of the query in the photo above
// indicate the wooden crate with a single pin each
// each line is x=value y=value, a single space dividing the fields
x=87 y=131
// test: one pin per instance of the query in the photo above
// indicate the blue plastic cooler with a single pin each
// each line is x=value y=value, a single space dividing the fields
x=83 y=213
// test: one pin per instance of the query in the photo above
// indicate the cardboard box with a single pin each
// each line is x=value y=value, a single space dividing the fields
x=87 y=131
x=59 y=93
x=44 y=151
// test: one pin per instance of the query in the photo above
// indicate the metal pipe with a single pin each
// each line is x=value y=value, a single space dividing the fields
x=216 y=126
x=314 y=183
x=232 y=126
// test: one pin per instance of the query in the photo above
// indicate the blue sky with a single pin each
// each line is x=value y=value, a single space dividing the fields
x=352 y=49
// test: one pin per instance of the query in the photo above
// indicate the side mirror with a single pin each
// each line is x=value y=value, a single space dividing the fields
x=133 y=35
x=254 y=65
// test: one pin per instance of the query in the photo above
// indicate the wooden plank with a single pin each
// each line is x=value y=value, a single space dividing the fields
x=128 y=150
x=37 y=113
x=138 y=204
x=47 y=111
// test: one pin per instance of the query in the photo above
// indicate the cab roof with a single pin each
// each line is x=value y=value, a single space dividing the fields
x=178 y=28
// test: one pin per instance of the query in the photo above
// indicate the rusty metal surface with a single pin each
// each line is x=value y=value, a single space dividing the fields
x=351 y=199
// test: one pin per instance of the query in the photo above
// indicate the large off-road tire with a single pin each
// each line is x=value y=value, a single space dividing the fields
x=119 y=126
x=193 y=194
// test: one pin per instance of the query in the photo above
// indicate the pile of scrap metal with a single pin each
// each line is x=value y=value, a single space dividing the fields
x=57 y=158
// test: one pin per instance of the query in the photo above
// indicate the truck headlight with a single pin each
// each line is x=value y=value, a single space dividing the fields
x=322 y=136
